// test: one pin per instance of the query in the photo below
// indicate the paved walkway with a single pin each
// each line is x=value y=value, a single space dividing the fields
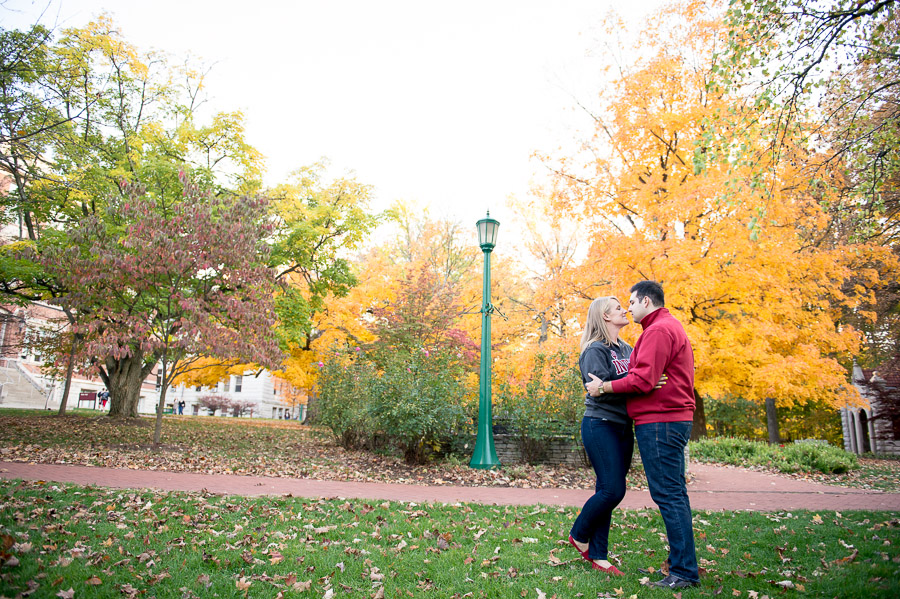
x=713 y=488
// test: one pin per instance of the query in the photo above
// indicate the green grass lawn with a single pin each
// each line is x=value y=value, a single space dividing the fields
x=113 y=543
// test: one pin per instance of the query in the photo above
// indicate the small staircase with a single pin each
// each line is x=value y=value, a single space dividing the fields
x=18 y=389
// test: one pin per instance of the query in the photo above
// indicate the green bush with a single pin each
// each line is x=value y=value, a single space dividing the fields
x=417 y=401
x=411 y=400
x=795 y=457
x=342 y=405
x=821 y=457
x=739 y=417
x=551 y=404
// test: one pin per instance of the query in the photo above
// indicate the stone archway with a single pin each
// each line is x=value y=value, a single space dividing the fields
x=865 y=444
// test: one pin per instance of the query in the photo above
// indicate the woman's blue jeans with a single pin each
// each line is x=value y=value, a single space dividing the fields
x=662 y=453
x=609 y=446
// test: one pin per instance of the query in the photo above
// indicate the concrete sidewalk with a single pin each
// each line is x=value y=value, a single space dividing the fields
x=713 y=488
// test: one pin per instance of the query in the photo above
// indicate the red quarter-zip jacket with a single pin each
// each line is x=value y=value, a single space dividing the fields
x=663 y=347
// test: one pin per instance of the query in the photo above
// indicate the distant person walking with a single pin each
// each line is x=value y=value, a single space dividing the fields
x=181 y=408
x=605 y=430
x=103 y=396
x=662 y=417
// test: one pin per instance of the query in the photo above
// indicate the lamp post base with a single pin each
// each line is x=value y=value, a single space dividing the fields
x=485 y=456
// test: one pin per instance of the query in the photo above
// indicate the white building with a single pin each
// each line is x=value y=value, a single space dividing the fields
x=268 y=396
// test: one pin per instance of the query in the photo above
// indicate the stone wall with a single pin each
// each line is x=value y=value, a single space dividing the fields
x=562 y=450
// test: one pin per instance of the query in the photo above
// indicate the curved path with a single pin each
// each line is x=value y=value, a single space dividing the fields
x=713 y=488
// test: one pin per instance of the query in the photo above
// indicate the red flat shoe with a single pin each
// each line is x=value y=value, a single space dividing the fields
x=612 y=570
x=584 y=554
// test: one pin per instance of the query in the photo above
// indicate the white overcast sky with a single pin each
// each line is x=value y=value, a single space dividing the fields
x=437 y=103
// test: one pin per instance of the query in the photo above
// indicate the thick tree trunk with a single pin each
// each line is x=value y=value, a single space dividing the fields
x=772 y=421
x=125 y=377
x=698 y=430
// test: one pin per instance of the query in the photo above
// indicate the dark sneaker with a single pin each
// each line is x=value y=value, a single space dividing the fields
x=664 y=569
x=673 y=582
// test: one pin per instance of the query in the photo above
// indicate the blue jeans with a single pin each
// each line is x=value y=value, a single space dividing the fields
x=662 y=451
x=609 y=446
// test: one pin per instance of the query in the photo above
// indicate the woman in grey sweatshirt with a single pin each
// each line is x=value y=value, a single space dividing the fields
x=606 y=430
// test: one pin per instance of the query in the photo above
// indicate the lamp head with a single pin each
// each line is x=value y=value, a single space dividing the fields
x=487 y=232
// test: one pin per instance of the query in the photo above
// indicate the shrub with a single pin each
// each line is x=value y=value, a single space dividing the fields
x=821 y=457
x=215 y=402
x=551 y=404
x=796 y=457
x=417 y=401
x=342 y=406
x=738 y=417
x=239 y=407
x=414 y=399
x=728 y=450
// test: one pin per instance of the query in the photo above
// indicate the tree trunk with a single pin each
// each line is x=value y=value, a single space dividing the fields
x=157 y=430
x=68 y=384
x=698 y=430
x=125 y=376
x=543 y=336
x=772 y=421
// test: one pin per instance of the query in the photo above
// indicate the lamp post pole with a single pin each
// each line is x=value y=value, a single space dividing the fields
x=485 y=456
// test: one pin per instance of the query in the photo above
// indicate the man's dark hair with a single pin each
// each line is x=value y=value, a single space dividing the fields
x=650 y=289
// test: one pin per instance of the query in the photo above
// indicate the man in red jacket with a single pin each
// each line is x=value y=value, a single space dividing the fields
x=662 y=421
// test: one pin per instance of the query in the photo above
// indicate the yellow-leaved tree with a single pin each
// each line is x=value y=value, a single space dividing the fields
x=729 y=240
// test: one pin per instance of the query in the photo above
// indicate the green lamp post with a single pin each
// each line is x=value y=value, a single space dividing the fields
x=485 y=456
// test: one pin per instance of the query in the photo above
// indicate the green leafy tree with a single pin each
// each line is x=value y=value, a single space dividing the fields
x=319 y=223
x=84 y=113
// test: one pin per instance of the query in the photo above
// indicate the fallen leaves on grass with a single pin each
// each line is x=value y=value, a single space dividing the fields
x=236 y=446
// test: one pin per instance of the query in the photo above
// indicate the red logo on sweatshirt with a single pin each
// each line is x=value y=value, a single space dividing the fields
x=620 y=365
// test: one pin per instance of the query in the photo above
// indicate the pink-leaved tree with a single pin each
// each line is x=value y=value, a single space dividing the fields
x=160 y=285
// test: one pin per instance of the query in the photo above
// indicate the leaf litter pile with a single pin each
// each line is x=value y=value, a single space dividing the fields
x=216 y=445
x=71 y=541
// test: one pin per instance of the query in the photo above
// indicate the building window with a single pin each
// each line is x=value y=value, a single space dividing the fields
x=238 y=383
x=198 y=388
x=226 y=383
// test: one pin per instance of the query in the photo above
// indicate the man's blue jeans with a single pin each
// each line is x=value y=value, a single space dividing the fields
x=609 y=446
x=662 y=452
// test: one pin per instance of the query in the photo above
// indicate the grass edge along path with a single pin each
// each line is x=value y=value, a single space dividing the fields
x=277 y=448
x=712 y=487
x=75 y=541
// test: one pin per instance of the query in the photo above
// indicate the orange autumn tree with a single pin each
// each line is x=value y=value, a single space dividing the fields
x=425 y=279
x=728 y=240
x=546 y=297
x=430 y=293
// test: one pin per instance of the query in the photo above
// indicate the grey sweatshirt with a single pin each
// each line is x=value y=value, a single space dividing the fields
x=608 y=363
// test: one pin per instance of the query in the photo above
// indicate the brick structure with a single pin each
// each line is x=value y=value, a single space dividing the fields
x=862 y=432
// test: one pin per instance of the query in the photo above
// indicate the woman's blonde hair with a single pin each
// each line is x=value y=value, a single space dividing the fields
x=595 y=327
